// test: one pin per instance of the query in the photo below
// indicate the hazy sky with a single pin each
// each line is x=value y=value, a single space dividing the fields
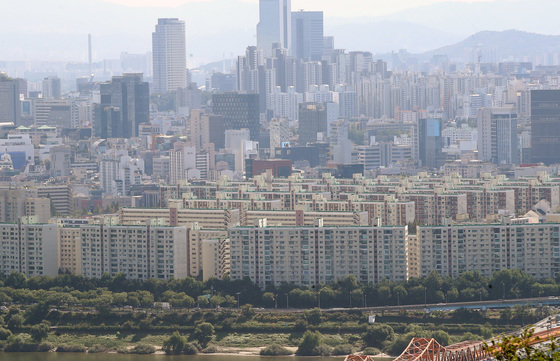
x=345 y=8
x=217 y=29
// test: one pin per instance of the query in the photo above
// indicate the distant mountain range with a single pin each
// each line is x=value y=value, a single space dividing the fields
x=494 y=46
x=387 y=36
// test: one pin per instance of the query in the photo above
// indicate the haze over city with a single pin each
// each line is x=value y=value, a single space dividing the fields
x=229 y=25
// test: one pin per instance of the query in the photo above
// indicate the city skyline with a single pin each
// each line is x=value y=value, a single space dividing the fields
x=234 y=27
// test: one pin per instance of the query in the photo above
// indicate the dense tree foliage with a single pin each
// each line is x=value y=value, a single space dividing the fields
x=69 y=290
x=203 y=333
x=377 y=335
x=519 y=348
x=175 y=344
x=309 y=343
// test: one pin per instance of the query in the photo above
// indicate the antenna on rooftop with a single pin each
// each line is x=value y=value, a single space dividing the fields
x=89 y=59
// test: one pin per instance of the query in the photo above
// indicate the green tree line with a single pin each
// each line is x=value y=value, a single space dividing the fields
x=117 y=291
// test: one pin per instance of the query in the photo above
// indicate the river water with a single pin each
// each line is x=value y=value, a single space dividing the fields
x=54 y=356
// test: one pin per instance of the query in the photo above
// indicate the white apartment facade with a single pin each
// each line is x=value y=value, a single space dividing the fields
x=138 y=252
x=310 y=256
x=29 y=248
x=487 y=248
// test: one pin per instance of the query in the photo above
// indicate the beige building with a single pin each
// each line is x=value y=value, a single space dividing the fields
x=29 y=248
x=301 y=217
x=215 y=258
x=206 y=218
x=195 y=250
x=452 y=250
x=70 y=249
x=414 y=260
x=61 y=196
x=38 y=207
x=138 y=252
x=310 y=256
x=12 y=204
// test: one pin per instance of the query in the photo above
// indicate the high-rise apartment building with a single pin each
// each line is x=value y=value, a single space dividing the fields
x=545 y=126
x=10 y=108
x=497 y=135
x=307 y=35
x=138 y=252
x=311 y=256
x=274 y=27
x=452 y=250
x=29 y=248
x=125 y=104
x=70 y=249
x=169 y=55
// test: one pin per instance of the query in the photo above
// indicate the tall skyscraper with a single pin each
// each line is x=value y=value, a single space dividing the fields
x=497 y=135
x=274 y=28
x=545 y=126
x=10 y=109
x=430 y=142
x=51 y=87
x=170 y=56
x=307 y=35
x=125 y=103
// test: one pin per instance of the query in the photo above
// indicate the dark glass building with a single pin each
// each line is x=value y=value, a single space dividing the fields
x=312 y=120
x=430 y=143
x=545 y=126
x=125 y=103
x=239 y=111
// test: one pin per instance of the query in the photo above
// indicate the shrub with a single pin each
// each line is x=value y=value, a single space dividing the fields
x=190 y=349
x=344 y=349
x=376 y=335
x=44 y=347
x=323 y=350
x=310 y=341
x=399 y=344
x=71 y=348
x=210 y=349
x=15 y=344
x=313 y=316
x=143 y=349
x=203 y=333
x=175 y=344
x=15 y=322
x=441 y=336
x=123 y=350
x=371 y=351
x=39 y=332
x=97 y=349
x=275 y=350
x=4 y=333
x=301 y=325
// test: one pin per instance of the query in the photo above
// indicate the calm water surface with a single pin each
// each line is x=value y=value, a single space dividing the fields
x=53 y=356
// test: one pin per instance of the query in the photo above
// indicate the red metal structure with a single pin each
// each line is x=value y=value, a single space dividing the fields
x=428 y=349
